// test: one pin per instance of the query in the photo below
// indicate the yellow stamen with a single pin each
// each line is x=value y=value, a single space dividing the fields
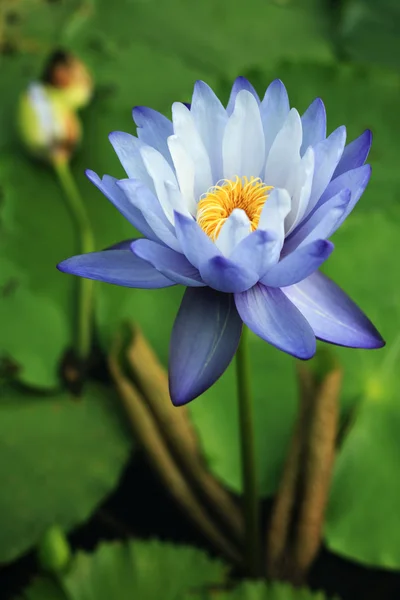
x=217 y=204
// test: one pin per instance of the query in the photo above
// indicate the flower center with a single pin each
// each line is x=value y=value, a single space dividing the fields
x=216 y=205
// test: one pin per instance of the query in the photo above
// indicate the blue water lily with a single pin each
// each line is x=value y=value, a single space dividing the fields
x=237 y=204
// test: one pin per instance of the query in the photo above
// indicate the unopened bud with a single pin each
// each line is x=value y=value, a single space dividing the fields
x=48 y=127
x=53 y=551
x=71 y=77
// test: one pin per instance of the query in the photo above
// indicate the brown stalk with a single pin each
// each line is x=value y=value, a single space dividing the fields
x=279 y=529
x=294 y=534
x=319 y=455
x=148 y=435
x=175 y=425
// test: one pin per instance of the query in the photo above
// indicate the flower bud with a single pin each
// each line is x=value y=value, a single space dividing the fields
x=48 y=127
x=53 y=551
x=71 y=77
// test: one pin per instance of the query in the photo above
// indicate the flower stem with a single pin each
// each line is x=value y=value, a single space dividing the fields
x=86 y=244
x=249 y=475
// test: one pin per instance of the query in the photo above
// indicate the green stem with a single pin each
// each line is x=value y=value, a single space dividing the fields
x=249 y=470
x=86 y=244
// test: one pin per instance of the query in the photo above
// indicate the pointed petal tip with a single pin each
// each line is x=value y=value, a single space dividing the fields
x=277 y=82
x=374 y=341
x=115 y=137
x=66 y=266
x=369 y=135
x=201 y=83
x=137 y=112
x=306 y=354
x=179 y=398
x=93 y=177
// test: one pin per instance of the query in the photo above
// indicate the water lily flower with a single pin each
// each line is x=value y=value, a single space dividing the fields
x=237 y=204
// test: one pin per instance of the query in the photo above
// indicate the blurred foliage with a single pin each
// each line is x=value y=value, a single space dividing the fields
x=146 y=570
x=143 y=52
x=368 y=31
x=59 y=457
x=265 y=591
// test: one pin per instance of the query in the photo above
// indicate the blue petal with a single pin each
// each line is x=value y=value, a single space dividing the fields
x=299 y=264
x=120 y=267
x=269 y=313
x=334 y=317
x=321 y=224
x=314 y=125
x=355 y=154
x=240 y=83
x=356 y=181
x=204 y=339
x=108 y=185
x=144 y=200
x=153 y=129
x=224 y=275
x=173 y=265
x=217 y=271
x=327 y=154
x=127 y=147
x=259 y=251
x=196 y=245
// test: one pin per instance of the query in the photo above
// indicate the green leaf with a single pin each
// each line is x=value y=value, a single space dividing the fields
x=66 y=456
x=38 y=312
x=264 y=591
x=144 y=570
x=33 y=335
x=362 y=517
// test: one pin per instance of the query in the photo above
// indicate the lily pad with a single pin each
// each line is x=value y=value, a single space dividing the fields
x=126 y=571
x=66 y=456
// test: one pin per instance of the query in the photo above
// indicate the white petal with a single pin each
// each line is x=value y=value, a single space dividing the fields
x=175 y=198
x=274 y=212
x=243 y=143
x=185 y=129
x=274 y=111
x=285 y=151
x=127 y=147
x=185 y=171
x=234 y=230
x=210 y=119
x=160 y=172
x=299 y=187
